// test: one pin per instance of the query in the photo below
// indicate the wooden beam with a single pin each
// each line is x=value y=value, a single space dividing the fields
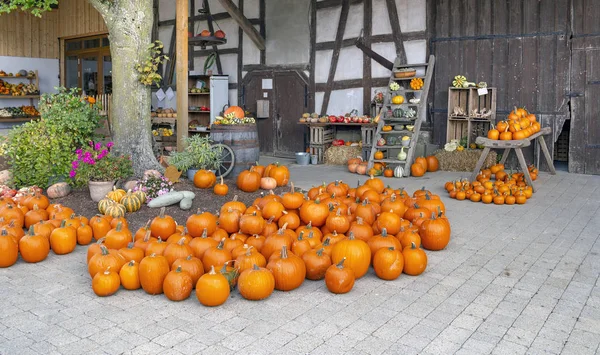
x=367 y=28
x=168 y=76
x=396 y=30
x=182 y=71
x=240 y=60
x=243 y=22
x=383 y=38
x=351 y=84
x=276 y=67
x=215 y=17
x=339 y=36
x=193 y=28
x=262 y=13
x=334 y=3
x=214 y=47
x=313 y=53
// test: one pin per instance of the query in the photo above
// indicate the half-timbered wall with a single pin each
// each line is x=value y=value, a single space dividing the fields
x=237 y=52
x=344 y=78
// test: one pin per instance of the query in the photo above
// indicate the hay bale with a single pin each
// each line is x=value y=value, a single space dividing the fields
x=463 y=161
x=339 y=155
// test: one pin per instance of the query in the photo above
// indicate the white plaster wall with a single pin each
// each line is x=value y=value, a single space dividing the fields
x=48 y=71
x=350 y=64
x=327 y=23
x=287 y=32
x=411 y=15
x=355 y=21
x=416 y=52
x=251 y=54
x=323 y=62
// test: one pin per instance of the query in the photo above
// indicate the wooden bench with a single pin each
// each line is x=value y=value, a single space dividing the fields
x=517 y=145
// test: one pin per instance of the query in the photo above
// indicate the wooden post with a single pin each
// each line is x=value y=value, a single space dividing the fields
x=181 y=63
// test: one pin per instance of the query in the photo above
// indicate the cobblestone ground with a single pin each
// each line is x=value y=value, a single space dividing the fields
x=514 y=279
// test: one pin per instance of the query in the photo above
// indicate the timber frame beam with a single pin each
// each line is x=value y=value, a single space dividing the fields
x=244 y=23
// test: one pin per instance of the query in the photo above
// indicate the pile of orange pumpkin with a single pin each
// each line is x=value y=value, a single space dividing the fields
x=417 y=169
x=519 y=125
x=31 y=226
x=335 y=234
x=506 y=189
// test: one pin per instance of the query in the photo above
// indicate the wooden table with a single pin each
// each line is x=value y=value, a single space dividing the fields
x=517 y=145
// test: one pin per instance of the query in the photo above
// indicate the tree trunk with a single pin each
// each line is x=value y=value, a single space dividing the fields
x=129 y=24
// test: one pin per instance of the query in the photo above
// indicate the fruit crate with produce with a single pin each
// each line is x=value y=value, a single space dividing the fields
x=471 y=110
x=12 y=86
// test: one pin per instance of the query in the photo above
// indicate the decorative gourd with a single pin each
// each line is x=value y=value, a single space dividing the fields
x=398 y=113
x=167 y=199
x=130 y=275
x=60 y=189
x=115 y=210
x=116 y=194
x=9 y=249
x=402 y=155
x=63 y=240
x=163 y=225
x=280 y=173
x=410 y=113
x=103 y=203
x=34 y=247
x=268 y=183
x=398 y=171
x=185 y=204
x=398 y=100
x=356 y=252
x=388 y=263
x=379 y=155
x=288 y=269
x=432 y=163
x=415 y=260
x=131 y=202
x=153 y=269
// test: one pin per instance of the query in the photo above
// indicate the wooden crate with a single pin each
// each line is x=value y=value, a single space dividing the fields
x=320 y=135
x=458 y=98
x=457 y=129
x=367 y=135
x=478 y=128
x=319 y=150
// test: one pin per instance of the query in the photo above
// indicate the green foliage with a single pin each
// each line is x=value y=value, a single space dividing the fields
x=36 y=7
x=40 y=152
x=199 y=153
x=148 y=69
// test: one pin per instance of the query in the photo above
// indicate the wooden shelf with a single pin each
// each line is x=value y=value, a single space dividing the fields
x=20 y=97
x=18 y=119
x=194 y=111
x=391 y=146
x=409 y=78
x=18 y=77
x=396 y=161
x=198 y=93
x=397 y=132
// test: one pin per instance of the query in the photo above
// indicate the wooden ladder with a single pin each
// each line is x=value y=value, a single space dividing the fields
x=386 y=115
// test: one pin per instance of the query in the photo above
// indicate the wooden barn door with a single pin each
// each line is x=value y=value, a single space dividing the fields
x=252 y=91
x=290 y=103
x=279 y=134
x=584 y=150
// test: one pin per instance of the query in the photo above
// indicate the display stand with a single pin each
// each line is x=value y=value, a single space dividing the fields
x=515 y=145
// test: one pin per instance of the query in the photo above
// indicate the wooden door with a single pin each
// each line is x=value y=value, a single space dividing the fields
x=290 y=102
x=584 y=150
x=252 y=91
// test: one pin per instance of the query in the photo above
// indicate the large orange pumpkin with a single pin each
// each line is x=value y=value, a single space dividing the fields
x=237 y=111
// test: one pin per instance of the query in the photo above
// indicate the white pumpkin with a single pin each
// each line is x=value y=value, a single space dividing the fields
x=399 y=172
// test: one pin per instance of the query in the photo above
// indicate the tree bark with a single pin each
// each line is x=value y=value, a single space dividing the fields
x=129 y=24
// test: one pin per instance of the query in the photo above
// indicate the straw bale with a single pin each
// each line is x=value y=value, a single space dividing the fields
x=339 y=155
x=463 y=161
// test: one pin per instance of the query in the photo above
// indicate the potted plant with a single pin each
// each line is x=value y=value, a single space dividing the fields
x=199 y=154
x=99 y=168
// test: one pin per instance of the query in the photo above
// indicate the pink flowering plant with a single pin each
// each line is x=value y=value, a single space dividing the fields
x=154 y=186
x=97 y=162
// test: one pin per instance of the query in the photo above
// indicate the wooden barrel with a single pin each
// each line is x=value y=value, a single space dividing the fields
x=243 y=139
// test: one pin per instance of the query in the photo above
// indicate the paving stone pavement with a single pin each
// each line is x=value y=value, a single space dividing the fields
x=514 y=279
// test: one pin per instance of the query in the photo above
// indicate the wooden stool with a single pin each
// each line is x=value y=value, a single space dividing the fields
x=517 y=145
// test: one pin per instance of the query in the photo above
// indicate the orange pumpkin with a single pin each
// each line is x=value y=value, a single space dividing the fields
x=237 y=112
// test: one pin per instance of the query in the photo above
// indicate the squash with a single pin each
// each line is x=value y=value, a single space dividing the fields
x=379 y=155
x=185 y=203
x=60 y=189
x=398 y=100
x=399 y=172
x=166 y=199
x=398 y=113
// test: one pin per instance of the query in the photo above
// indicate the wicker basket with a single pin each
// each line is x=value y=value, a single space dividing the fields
x=405 y=74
